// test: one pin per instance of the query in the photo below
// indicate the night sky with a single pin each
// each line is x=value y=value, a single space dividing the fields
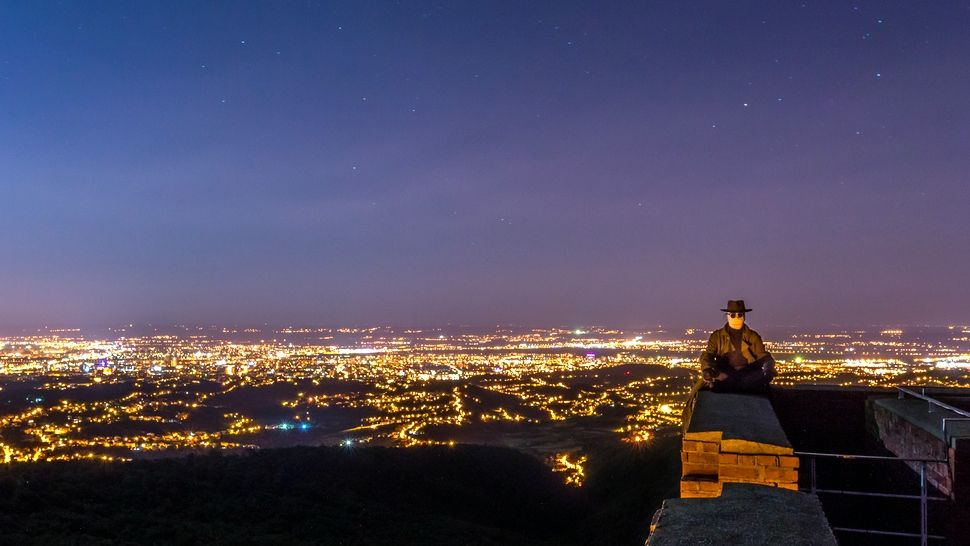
x=546 y=163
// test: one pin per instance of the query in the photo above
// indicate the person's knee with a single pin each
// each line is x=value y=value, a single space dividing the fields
x=769 y=369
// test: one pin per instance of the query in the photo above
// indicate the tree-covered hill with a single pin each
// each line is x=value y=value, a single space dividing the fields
x=330 y=495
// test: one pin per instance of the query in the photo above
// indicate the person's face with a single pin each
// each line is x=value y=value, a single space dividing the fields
x=735 y=320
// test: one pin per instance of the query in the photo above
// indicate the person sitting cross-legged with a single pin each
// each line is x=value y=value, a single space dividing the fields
x=735 y=359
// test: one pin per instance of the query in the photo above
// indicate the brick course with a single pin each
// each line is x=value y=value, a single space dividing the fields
x=790 y=462
x=706 y=467
x=703 y=457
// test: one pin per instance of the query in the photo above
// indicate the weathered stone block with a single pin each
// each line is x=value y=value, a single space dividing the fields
x=699 y=488
x=741 y=471
x=709 y=447
x=703 y=485
x=701 y=495
x=688 y=485
x=727 y=458
x=691 y=469
x=789 y=462
x=767 y=460
x=779 y=474
x=773 y=516
x=702 y=457
x=756 y=481
x=753 y=448
x=690 y=445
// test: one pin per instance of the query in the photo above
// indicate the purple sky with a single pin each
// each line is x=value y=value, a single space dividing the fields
x=615 y=163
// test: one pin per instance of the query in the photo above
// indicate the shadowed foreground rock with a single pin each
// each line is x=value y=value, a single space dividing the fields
x=744 y=514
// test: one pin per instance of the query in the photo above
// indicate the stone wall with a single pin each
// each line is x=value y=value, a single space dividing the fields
x=772 y=516
x=908 y=439
x=716 y=451
x=909 y=430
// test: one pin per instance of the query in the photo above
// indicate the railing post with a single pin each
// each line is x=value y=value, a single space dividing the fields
x=812 y=464
x=923 y=538
x=923 y=496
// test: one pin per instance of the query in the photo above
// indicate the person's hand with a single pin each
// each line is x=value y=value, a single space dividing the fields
x=721 y=377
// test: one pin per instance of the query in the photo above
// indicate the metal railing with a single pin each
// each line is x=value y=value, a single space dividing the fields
x=931 y=403
x=923 y=497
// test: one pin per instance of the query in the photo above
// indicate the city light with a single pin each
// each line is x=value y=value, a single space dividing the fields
x=131 y=397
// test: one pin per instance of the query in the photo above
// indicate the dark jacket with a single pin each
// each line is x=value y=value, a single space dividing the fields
x=752 y=348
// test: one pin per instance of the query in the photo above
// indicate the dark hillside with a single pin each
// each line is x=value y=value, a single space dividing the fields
x=330 y=495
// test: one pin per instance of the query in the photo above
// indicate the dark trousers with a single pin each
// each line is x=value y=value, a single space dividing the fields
x=753 y=378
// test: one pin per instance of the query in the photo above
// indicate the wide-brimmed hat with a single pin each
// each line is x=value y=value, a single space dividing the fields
x=736 y=306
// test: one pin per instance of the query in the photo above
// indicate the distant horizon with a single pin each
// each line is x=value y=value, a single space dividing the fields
x=667 y=328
